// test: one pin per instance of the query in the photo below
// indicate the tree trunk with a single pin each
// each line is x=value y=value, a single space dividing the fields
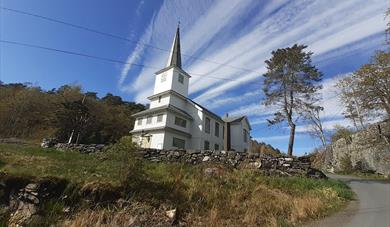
x=291 y=141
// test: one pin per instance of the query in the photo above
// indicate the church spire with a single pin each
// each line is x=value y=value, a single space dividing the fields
x=175 y=54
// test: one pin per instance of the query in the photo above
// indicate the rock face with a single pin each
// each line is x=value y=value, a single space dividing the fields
x=22 y=199
x=368 y=150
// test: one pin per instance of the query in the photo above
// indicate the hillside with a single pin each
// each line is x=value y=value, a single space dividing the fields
x=30 y=112
x=115 y=187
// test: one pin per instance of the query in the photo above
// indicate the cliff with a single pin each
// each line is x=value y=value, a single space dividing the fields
x=367 y=150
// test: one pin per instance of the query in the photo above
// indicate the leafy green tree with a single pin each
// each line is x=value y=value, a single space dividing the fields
x=373 y=80
x=291 y=86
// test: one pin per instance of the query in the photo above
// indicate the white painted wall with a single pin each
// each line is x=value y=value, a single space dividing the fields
x=168 y=140
x=237 y=136
x=181 y=88
x=163 y=86
x=165 y=100
x=171 y=82
x=171 y=122
x=157 y=140
x=154 y=123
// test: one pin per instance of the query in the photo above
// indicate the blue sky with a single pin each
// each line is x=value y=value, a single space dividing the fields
x=239 y=34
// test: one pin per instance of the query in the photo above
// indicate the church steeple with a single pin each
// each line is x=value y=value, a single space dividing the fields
x=175 y=54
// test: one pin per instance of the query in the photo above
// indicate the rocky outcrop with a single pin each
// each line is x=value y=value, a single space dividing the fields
x=368 y=150
x=22 y=198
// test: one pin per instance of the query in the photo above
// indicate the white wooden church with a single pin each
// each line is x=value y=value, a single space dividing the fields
x=175 y=121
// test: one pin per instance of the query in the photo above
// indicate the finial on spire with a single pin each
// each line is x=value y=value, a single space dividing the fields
x=175 y=54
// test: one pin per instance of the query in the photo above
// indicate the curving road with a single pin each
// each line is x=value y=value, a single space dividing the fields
x=372 y=207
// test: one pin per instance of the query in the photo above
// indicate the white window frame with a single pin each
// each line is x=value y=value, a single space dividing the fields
x=216 y=129
x=179 y=120
x=139 y=121
x=178 y=140
x=208 y=145
x=163 y=78
x=181 y=79
x=149 y=120
x=160 y=117
x=207 y=122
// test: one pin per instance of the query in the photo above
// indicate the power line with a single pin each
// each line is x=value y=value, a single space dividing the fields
x=121 y=38
x=101 y=58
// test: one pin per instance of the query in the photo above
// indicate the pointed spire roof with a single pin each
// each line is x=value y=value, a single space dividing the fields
x=175 y=54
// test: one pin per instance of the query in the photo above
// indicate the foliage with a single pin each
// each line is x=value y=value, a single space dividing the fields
x=365 y=93
x=346 y=164
x=32 y=113
x=263 y=148
x=341 y=133
x=291 y=85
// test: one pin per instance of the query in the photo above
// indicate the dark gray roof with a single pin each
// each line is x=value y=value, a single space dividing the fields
x=175 y=52
x=233 y=118
x=236 y=119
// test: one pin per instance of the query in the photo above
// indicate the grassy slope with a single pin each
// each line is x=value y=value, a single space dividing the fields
x=238 y=197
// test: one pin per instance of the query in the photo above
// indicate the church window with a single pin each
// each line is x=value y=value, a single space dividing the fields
x=159 y=99
x=207 y=125
x=245 y=136
x=216 y=147
x=216 y=129
x=206 y=145
x=181 y=78
x=163 y=77
x=159 y=118
x=139 y=121
x=180 y=122
x=149 y=120
x=179 y=143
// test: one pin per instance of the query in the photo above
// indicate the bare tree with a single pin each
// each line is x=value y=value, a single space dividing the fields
x=315 y=126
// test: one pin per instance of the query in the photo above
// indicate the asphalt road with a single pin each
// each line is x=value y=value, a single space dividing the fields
x=372 y=207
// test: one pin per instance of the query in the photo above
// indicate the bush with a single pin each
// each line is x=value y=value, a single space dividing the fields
x=346 y=164
x=342 y=133
x=131 y=170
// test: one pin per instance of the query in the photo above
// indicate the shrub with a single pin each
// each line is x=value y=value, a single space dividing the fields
x=342 y=133
x=346 y=164
x=131 y=171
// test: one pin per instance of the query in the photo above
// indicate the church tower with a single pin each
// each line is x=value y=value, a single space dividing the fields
x=173 y=77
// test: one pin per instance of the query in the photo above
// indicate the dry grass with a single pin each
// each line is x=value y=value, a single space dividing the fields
x=234 y=198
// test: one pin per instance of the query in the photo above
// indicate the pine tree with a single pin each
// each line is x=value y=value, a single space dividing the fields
x=291 y=86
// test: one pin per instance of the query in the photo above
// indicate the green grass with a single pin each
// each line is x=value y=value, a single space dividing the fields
x=235 y=198
x=28 y=160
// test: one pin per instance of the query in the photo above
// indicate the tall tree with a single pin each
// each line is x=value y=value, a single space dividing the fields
x=374 y=83
x=349 y=93
x=388 y=27
x=291 y=85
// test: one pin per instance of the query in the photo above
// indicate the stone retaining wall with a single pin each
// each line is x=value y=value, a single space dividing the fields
x=282 y=166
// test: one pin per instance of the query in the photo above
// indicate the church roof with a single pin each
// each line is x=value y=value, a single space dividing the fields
x=175 y=54
x=234 y=119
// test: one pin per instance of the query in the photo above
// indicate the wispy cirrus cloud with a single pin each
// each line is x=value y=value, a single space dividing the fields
x=220 y=32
